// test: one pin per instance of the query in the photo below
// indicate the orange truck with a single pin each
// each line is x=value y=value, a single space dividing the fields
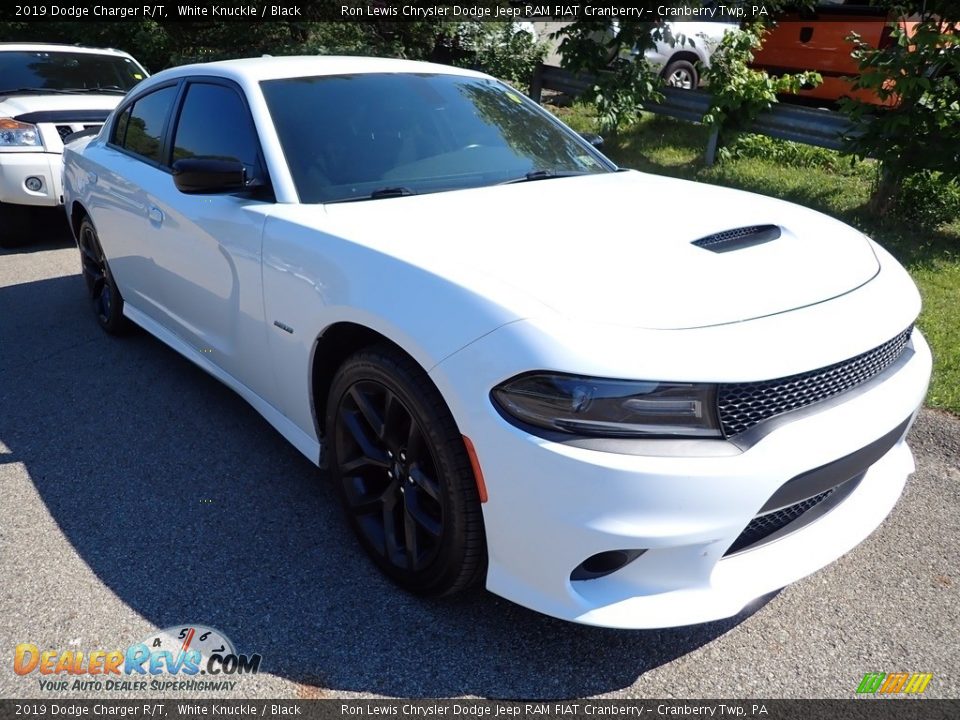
x=818 y=40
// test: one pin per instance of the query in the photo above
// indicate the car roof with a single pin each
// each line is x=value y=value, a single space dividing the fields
x=271 y=68
x=59 y=47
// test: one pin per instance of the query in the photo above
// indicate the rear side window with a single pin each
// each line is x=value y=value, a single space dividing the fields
x=198 y=136
x=142 y=125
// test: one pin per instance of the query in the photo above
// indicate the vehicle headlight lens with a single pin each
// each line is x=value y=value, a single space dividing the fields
x=14 y=133
x=610 y=408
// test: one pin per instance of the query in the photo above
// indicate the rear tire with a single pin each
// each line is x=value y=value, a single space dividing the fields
x=403 y=474
x=104 y=296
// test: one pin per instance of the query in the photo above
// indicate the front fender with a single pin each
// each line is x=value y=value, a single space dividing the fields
x=313 y=279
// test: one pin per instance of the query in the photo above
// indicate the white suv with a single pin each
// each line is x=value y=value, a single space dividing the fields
x=682 y=61
x=48 y=92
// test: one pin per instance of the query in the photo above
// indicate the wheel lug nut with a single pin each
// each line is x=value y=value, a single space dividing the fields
x=389 y=453
x=390 y=474
x=403 y=456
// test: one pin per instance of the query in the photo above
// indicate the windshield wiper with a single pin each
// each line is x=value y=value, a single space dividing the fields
x=391 y=192
x=384 y=192
x=111 y=90
x=42 y=91
x=544 y=175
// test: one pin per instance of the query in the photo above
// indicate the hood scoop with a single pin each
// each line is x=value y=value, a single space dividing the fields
x=738 y=238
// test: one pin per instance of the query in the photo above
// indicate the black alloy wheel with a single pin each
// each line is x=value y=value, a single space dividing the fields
x=403 y=474
x=104 y=295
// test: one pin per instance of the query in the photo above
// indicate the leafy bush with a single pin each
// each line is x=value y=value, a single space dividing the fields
x=928 y=199
x=785 y=153
x=500 y=49
x=918 y=75
x=613 y=54
x=740 y=93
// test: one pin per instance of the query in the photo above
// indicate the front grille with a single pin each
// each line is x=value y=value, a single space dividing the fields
x=743 y=405
x=763 y=526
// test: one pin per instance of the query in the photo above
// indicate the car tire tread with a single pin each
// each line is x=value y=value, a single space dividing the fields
x=466 y=562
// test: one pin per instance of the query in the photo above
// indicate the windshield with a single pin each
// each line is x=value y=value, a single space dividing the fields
x=56 y=70
x=359 y=136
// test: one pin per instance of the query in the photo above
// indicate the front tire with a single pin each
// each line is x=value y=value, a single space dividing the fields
x=104 y=296
x=403 y=474
x=681 y=74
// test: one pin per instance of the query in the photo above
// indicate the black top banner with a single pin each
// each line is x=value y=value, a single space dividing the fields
x=386 y=10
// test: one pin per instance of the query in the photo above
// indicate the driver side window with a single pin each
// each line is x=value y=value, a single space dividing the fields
x=215 y=124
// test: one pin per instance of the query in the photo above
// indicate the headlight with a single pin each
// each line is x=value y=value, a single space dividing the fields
x=14 y=133
x=610 y=408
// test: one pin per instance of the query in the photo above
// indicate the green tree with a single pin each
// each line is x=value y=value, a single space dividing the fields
x=495 y=47
x=916 y=135
x=613 y=52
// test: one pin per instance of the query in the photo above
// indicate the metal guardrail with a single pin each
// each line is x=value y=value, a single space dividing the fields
x=811 y=126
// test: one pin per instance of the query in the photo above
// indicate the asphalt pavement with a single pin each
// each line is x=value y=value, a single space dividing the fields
x=137 y=493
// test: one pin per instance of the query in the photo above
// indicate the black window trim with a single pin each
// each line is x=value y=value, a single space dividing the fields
x=165 y=133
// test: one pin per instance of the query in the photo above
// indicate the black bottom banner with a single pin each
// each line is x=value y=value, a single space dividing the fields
x=868 y=709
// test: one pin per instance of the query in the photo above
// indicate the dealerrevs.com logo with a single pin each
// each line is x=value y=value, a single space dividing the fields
x=185 y=658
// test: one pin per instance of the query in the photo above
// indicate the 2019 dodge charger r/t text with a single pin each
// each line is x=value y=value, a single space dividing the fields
x=49 y=92
x=616 y=423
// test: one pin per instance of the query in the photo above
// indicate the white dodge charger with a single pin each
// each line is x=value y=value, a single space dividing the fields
x=522 y=365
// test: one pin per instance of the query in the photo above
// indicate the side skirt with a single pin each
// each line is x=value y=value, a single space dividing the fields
x=302 y=441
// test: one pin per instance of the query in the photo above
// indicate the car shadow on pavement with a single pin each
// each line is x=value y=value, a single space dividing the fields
x=49 y=230
x=190 y=508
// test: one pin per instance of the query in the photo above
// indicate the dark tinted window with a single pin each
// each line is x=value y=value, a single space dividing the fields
x=144 y=134
x=347 y=136
x=214 y=123
x=67 y=71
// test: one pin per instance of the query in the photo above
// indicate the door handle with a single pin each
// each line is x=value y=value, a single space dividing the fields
x=155 y=215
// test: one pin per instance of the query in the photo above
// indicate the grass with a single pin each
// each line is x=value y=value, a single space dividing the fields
x=823 y=180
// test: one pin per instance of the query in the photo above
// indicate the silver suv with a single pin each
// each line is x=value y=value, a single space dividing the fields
x=47 y=93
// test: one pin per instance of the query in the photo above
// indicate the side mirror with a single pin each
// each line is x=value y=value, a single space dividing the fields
x=202 y=176
x=593 y=139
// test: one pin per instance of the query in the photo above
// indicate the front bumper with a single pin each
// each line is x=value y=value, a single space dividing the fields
x=16 y=167
x=553 y=505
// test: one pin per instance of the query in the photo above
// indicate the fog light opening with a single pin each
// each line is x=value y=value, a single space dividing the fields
x=605 y=563
x=33 y=184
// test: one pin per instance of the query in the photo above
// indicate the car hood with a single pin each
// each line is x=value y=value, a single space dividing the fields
x=618 y=248
x=14 y=105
